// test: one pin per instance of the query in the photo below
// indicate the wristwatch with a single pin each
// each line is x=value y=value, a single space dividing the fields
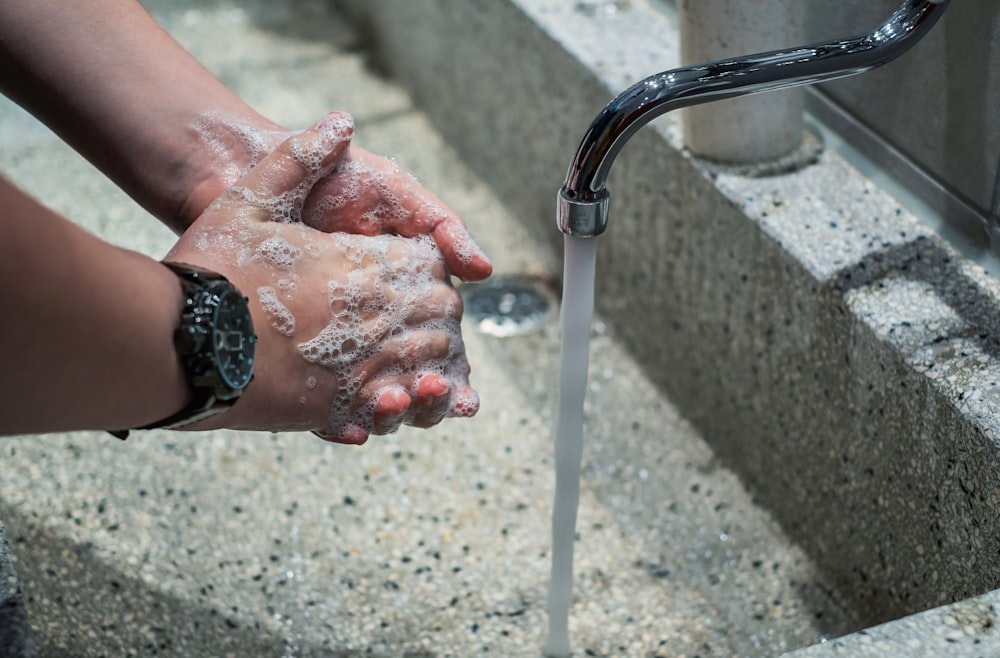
x=215 y=344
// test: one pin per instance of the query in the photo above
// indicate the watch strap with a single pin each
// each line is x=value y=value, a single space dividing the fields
x=205 y=401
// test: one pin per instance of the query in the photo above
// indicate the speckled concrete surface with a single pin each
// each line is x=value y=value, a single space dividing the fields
x=791 y=418
x=422 y=544
x=967 y=628
x=830 y=348
x=16 y=640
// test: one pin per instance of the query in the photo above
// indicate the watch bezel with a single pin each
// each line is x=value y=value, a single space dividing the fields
x=232 y=298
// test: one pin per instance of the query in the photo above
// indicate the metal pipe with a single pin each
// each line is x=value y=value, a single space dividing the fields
x=583 y=199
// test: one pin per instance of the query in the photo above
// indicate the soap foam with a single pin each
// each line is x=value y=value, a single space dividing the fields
x=221 y=135
x=367 y=316
x=364 y=321
x=356 y=183
x=286 y=207
x=279 y=315
x=279 y=253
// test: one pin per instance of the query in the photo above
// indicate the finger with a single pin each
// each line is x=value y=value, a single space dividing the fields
x=351 y=434
x=297 y=163
x=464 y=402
x=353 y=198
x=370 y=195
x=431 y=401
x=464 y=257
x=422 y=213
x=391 y=409
x=404 y=354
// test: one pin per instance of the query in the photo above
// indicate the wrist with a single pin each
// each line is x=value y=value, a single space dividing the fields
x=151 y=382
x=217 y=149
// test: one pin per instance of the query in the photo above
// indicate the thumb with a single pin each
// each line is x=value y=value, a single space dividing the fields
x=281 y=180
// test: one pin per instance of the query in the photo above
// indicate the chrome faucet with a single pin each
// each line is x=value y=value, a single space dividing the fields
x=583 y=199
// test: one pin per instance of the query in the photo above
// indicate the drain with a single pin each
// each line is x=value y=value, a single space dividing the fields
x=510 y=305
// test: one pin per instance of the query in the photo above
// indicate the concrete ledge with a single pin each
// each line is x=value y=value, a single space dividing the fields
x=834 y=352
x=16 y=640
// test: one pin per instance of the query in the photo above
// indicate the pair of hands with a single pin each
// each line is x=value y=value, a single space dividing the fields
x=346 y=261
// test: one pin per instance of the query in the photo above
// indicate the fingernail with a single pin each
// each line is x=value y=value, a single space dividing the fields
x=464 y=404
x=336 y=126
x=432 y=386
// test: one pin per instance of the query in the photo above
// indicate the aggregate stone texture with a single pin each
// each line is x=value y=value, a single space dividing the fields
x=791 y=410
x=422 y=544
x=757 y=128
x=827 y=344
x=16 y=640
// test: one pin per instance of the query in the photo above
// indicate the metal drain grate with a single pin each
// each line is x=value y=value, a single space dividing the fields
x=510 y=305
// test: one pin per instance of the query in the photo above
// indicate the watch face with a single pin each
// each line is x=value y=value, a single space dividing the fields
x=234 y=340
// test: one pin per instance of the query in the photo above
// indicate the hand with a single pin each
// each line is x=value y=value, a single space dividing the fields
x=357 y=334
x=364 y=194
x=367 y=194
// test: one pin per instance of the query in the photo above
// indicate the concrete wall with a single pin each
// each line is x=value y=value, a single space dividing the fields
x=833 y=352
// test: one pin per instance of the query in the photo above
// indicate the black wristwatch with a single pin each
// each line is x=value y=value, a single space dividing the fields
x=215 y=343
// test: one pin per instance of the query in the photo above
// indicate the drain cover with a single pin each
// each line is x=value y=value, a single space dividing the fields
x=509 y=305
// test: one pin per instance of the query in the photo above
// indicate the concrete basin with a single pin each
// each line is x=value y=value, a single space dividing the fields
x=792 y=405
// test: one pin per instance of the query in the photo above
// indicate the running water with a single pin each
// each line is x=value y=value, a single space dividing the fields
x=577 y=312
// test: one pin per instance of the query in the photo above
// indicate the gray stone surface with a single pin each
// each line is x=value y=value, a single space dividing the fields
x=16 y=640
x=832 y=350
x=755 y=128
x=791 y=413
x=421 y=544
x=967 y=628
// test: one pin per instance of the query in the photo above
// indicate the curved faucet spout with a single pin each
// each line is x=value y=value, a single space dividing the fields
x=583 y=199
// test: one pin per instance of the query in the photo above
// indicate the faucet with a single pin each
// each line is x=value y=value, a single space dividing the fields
x=583 y=198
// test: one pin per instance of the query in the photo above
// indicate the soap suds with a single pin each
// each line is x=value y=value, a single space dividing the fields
x=387 y=321
x=364 y=321
x=279 y=253
x=279 y=315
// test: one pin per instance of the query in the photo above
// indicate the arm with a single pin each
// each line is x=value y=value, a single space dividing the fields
x=356 y=335
x=87 y=332
x=111 y=82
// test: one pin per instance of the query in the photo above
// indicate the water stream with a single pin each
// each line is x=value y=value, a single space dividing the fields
x=577 y=312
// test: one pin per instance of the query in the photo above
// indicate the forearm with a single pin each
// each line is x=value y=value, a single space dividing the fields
x=86 y=339
x=112 y=83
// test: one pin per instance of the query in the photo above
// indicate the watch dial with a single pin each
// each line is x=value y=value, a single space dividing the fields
x=234 y=340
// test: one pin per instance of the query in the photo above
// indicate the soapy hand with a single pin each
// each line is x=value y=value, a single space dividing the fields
x=365 y=194
x=370 y=195
x=357 y=334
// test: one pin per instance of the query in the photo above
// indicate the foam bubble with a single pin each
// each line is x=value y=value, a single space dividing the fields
x=281 y=318
x=370 y=316
x=221 y=135
x=279 y=253
x=364 y=192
